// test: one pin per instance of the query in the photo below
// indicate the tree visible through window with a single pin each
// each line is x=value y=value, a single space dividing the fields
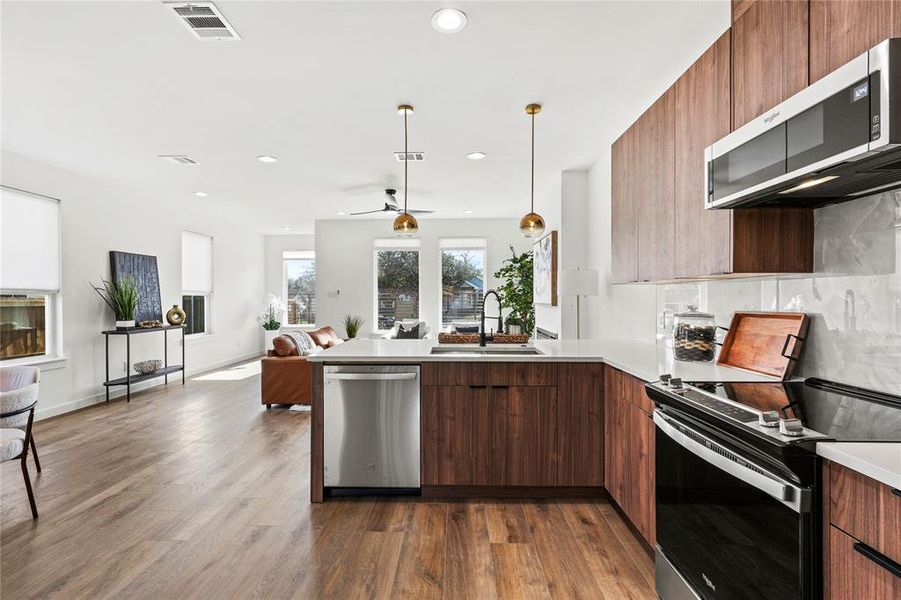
x=398 y=286
x=462 y=284
x=300 y=281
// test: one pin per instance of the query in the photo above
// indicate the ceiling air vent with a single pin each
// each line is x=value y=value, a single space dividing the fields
x=179 y=159
x=204 y=20
x=411 y=156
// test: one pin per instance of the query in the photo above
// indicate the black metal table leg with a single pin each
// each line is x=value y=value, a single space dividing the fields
x=127 y=368
x=107 y=366
x=183 y=355
x=166 y=355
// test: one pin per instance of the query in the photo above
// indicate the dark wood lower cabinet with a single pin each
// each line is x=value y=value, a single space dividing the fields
x=528 y=436
x=853 y=575
x=629 y=439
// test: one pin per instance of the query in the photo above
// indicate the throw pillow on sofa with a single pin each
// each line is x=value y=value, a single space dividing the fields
x=284 y=345
x=408 y=334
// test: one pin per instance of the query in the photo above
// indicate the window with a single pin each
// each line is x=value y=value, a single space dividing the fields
x=196 y=280
x=300 y=287
x=29 y=276
x=397 y=281
x=462 y=279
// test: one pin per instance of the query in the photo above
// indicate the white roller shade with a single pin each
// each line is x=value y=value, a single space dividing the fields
x=29 y=232
x=196 y=262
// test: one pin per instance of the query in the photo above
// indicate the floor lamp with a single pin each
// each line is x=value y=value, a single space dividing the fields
x=578 y=283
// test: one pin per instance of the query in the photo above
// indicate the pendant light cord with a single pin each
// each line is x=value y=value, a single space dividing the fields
x=406 y=158
x=533 y=163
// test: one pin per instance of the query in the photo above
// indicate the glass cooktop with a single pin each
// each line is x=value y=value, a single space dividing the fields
x=840 y=412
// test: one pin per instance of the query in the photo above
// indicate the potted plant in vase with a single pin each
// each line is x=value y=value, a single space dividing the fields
x=122 y=298
x=270 y=318
x=515 y=275
x=352 y=325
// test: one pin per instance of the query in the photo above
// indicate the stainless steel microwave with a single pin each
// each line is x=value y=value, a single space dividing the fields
x=836 y=140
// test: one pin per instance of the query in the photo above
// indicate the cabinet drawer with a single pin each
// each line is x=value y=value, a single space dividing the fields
x=454 y=373
x=854 y=572
x=523 y=374
x=866 y=509
x=639 y=396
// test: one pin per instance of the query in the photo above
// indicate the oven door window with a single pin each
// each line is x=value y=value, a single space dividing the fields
x=728 y=539
x=754 y=162
x=835 y=125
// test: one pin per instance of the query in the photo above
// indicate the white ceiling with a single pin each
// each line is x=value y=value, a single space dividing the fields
x=102 y=88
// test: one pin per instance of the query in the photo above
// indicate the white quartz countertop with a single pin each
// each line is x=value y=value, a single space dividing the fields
x=643 y=360
x=879 y=460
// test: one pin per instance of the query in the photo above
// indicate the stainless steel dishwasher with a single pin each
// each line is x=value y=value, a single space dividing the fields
x=371 y=426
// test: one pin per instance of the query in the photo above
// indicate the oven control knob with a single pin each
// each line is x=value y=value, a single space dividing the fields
x=791 y=427
x=675 y=384
x=665 y=379
x=769 y=418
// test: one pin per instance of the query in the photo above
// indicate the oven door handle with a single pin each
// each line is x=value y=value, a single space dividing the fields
x=794 y=497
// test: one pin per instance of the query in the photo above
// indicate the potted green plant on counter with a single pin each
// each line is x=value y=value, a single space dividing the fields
x=515 y=275
x=122 y=298
x=352 y=325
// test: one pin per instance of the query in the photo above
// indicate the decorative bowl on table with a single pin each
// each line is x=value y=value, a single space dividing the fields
x=148 y=367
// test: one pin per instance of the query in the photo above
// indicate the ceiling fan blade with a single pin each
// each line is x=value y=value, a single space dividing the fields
x=419 y=212
x=367 y=212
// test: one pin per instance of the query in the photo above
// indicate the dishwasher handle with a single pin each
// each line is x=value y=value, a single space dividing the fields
x=371 y=376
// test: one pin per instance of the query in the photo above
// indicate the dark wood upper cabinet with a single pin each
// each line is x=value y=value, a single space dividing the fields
x=656 y=194
x=769 y=55
x=703 y=114
x=624 y=207
x=842 y=30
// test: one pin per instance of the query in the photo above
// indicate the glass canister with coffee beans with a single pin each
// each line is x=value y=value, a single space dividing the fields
x=694 y=336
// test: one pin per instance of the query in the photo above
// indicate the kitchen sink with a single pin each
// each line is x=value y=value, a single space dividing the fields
x=507 y=350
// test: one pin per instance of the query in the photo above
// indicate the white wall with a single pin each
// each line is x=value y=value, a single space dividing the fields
x=97 y=218
x=276 y=246
x=344 y=261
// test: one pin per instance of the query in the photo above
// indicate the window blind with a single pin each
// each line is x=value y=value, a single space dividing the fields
x=196 y=262
x=30 y=234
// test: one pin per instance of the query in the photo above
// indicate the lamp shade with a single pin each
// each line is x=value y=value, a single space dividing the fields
x=576 y=282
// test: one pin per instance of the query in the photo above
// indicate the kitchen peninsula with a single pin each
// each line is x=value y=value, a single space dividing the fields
x=520 y=421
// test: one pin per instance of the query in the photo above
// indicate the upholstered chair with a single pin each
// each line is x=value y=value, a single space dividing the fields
x=18 y=397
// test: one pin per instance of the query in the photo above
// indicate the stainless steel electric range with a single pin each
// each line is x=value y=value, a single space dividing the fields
x=737 y=482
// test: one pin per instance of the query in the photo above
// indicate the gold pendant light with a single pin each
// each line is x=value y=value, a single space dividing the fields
x=532 y=224
x=405 y=224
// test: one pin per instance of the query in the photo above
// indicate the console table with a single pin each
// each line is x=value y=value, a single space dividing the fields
x=130 y=379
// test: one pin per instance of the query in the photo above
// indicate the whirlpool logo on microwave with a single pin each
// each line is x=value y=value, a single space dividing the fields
x=769 y=118
x=708 y=582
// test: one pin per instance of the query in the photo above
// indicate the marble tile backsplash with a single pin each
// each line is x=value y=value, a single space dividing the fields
x=853 y=298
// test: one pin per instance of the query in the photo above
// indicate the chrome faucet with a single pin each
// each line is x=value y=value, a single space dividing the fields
x=500 y=318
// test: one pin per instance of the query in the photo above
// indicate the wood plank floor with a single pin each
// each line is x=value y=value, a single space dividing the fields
x=199 y=492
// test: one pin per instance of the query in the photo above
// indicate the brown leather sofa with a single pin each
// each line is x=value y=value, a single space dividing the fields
x=287 y=376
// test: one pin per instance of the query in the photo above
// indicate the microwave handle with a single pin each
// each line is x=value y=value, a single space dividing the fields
x=786 y=493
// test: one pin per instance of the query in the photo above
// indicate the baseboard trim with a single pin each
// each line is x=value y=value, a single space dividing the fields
x=486 y=491
x=100 y=397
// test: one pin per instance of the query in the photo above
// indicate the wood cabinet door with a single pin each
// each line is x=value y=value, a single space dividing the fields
x=851 y=575
x=580 y=424
x=656 y=193
x=841 y=30
x=615 y=435
x=769 y=56
x=624 y=208
x=455 y=435
x=641 y=473
x=523 y=447
x=703 y=114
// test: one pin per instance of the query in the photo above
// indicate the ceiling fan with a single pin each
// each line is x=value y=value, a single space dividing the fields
x=391 y=206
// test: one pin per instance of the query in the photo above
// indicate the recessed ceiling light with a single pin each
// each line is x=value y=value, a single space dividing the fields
x=286 y=228
x=449 y=20
x=476 y=155
x=341 y=212
x=267 y=159
x=467 y=212
x=200 y=194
